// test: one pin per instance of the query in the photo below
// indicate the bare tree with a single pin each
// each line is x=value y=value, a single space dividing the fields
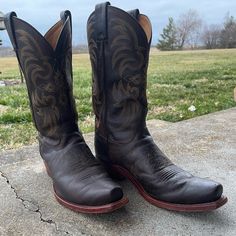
x=188 y=28
x=211 y=36
x=228 y=33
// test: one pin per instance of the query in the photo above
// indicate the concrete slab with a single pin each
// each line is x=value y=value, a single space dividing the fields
x=204 y=145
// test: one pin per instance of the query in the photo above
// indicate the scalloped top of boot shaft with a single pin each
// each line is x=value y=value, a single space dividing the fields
x=52 y=38
x=103 y=12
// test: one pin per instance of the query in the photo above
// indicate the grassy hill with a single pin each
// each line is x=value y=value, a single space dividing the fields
x=204 y=79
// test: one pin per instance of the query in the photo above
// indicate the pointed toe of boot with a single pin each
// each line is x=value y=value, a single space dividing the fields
x=217 y=191
x=175 y=189
x=116 y=194
x=103 y=192
x=206 y=191
x=101 y=196
x=197 y=190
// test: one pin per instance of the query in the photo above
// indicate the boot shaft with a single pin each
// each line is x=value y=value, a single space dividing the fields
x=119 y=44
x=47 y=67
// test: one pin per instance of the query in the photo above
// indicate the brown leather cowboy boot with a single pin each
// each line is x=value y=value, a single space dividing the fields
x=119 y=44
x=79 y=181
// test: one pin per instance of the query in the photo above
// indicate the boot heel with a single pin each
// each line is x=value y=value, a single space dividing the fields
x=114 y=174
x=47 y=169
x=103 y=156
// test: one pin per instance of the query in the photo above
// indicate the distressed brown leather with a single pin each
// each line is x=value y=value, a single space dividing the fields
x=46 y=63
x=119 y=59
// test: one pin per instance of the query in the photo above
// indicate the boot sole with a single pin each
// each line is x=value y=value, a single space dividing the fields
x=107 y=208
x=202 y=207
x=110 y=207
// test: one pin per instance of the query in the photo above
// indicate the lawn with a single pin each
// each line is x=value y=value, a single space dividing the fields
x=176 y=80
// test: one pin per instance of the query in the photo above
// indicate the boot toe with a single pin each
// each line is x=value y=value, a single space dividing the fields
x=199 y=190
x=103 y=192
x=96 y=193
x=212 y=191
x=116 y=194
x=184 y=188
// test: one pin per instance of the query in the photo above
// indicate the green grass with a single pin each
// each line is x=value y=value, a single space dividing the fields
x=176 y=80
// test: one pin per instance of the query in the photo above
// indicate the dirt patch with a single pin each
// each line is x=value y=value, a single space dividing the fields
x=202 y=80
x=171 y=86
x=162 y=109
x=3 y=109
x=9 y=82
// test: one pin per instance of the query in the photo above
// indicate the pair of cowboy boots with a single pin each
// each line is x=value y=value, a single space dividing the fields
x=119 y=44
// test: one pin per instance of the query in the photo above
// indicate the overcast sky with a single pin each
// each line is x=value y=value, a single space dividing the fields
x=43 y=14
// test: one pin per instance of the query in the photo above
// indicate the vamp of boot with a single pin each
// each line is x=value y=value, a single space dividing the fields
x=79 y=181
x=119 y=44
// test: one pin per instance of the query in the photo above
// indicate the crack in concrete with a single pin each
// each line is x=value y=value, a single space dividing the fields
x=24 y=203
